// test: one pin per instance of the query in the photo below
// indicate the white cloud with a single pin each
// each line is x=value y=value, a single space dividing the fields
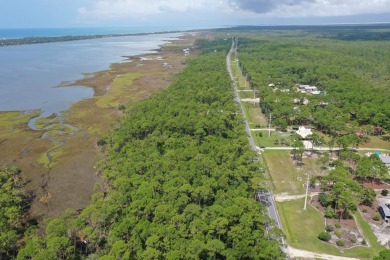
x=112 y=9
x=122 y=8
x=334 y=8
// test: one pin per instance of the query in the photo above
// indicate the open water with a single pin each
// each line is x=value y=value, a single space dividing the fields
x=31 y=75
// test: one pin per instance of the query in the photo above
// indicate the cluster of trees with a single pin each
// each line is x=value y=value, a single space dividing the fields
x=11 y=210
x=352 y=78
x=342 y=189
x=341 y=194
x=180 y=177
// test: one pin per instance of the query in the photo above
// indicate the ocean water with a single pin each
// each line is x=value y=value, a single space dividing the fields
x=57 y=32
x=31 y=75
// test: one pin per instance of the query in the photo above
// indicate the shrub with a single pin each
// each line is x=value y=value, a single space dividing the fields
x=312 y=183
x=338 y=233
x=364 y=210
x=368 y=196
x=353 y=240
x=338 y=225
x=385 y=192
x=122 y=107
x=329 y=228
x=101 y=142
x=364 y=242
x=324 y=200
x=329 y=213
x=377 y=217
x=340 y=243
x=324 y=236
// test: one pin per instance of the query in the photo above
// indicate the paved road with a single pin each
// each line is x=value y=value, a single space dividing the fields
x=263 y=129
x=326 y=149
x=270 y=203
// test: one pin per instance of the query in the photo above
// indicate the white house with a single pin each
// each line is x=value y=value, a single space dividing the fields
x=304 y=131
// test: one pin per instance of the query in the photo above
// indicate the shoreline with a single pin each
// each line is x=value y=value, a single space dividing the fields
x=40 y=40
x=68 y=180
x=43 y=81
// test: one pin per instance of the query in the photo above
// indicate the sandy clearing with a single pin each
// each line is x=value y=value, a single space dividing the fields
x=285 y=197
x=257 y=100
x=303 y=254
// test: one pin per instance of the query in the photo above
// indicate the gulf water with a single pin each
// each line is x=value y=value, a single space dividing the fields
x=14 y=33
x=31 y=75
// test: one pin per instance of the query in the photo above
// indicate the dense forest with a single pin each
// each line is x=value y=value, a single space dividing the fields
x=12 y=210
x=351 y=76
x=180 y=179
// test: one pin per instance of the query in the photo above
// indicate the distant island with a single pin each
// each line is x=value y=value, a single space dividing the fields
x=35 y=40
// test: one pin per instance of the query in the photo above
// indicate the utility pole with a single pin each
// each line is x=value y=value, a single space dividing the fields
x=307 y=189
x=254 y=97
x=269 y=127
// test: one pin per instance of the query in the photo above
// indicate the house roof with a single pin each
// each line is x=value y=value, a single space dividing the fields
x=385 y=159
x=304 y=132
x=386 y=209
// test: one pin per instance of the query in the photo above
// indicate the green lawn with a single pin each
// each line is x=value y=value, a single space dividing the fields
x=376 y=142
x=284 y=174
x=302 y=228
x=263 y=138
x=245 y=94
x=255 y=118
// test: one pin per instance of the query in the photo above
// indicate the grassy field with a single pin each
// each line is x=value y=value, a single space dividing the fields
x=12 y=122
x=255 y=118
x=302 y=227
x=286 y=178
x=263 y=138
x=376 y=142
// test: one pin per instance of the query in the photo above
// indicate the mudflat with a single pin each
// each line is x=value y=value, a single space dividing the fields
x=59 y=159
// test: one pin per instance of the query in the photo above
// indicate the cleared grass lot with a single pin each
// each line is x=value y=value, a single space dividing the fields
x=262 y=138
x=284 y=175
x=302 y=227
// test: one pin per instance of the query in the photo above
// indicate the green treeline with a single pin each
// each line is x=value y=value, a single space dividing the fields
x=11 y=210
x=180 y=176
x=351 y=75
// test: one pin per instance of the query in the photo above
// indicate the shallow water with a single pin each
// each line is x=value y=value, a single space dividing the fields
x=30 y=75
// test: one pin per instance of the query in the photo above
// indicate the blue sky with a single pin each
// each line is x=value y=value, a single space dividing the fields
x=198 y=13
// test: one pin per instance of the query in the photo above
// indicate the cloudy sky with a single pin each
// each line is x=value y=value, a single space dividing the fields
x=187 y=13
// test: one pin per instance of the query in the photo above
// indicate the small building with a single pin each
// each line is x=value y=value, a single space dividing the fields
x=385 y=159
x=311 y=89
x=304 y=131
x=186 y=51
x=384 y=210
x=296 y=101
x=302 y=87
x=308 y=89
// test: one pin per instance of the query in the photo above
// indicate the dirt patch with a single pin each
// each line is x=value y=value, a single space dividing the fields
x=376 y=185
x=69 y=182
x=303 y=254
